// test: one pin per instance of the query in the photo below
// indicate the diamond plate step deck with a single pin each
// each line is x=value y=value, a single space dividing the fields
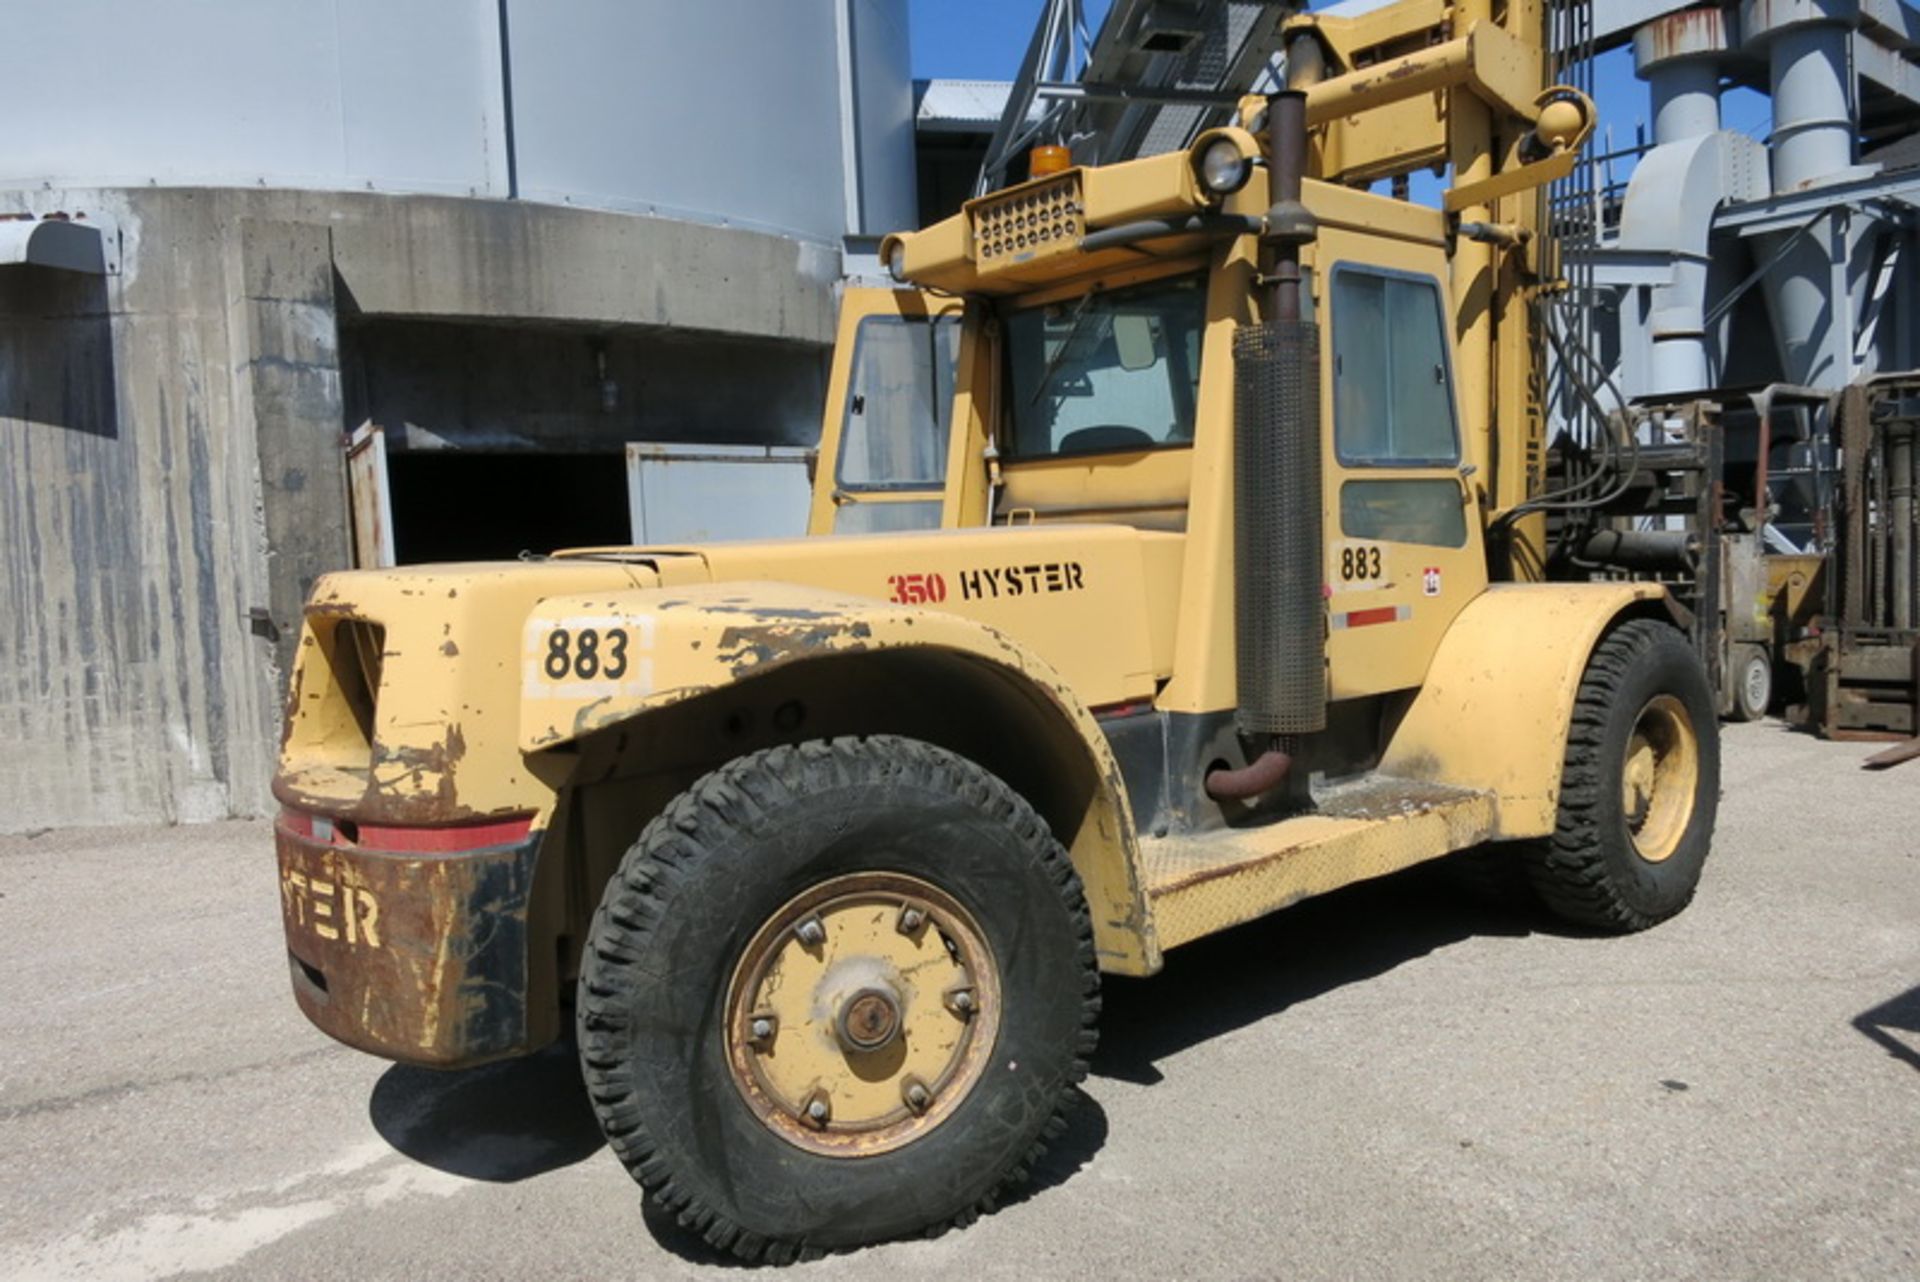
x=1204 y=883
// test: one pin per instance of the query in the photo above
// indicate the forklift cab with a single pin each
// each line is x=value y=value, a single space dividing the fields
x=1108 y=398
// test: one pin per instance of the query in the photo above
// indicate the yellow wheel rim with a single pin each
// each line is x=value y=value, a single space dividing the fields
x=862 y=1013
x=1660 y=777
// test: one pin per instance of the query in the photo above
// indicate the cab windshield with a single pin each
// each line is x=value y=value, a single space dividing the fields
x=1111 y=370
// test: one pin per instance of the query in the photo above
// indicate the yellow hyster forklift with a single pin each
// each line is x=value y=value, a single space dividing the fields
x=1184 y=525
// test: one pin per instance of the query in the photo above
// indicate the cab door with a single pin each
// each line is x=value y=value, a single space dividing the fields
x=885 y=444
x=1403 y=545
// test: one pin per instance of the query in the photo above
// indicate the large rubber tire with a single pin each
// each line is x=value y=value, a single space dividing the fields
x=1752 y=682
x=703 y=878
x=1590 y=871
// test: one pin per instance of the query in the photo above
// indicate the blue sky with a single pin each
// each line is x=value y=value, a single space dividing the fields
x=985 y=40
x=977 y=39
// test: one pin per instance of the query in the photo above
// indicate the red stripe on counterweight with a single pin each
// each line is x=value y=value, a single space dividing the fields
x=1365 y=618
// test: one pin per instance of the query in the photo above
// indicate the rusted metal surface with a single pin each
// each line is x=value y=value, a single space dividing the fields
x=370 y=495
x=419 y=958
x=1689 y=33
x=746 y=650
x=1865 y=685
x=403 y=784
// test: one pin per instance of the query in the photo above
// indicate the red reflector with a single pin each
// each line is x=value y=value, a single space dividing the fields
x=1367 y=618
x=502 y=832
x=450 y=839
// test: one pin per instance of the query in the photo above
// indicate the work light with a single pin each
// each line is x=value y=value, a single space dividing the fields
x=1222 y=168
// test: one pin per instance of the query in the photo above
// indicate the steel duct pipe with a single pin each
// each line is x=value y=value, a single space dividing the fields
x=1679 y=56
x=1673 y=194
x=1686 y=99
x=1817 y=290
x=1813 y=136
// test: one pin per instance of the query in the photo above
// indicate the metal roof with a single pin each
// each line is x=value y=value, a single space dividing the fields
x=959 y=106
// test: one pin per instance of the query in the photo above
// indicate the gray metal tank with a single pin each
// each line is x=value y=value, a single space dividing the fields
x=793 y=117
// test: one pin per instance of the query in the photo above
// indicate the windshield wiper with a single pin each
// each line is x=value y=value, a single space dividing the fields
x=1066 y=345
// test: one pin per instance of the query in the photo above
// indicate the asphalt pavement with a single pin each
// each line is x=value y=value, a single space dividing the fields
x=1401 y=1080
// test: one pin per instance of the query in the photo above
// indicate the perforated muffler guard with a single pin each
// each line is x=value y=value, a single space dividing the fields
x=1279 y=610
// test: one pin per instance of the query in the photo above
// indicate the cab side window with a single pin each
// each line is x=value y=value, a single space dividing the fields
x=1394 y=407
x=899 y=404
x=1393 y=391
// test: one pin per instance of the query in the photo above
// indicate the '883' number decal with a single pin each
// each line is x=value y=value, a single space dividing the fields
x=589 y=655
x=579 y=654
x=1357 y=566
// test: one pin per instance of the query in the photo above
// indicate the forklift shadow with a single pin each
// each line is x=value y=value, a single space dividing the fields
x=1230 y=980
x=526 y=1117
x=502 y=1122
x=1899 y=1015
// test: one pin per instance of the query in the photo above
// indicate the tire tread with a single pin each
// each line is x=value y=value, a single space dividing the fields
x=739 y=799
x=1568 y=870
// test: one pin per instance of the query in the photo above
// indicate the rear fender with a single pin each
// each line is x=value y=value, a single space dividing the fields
x=1498 y=699
x=653 y=649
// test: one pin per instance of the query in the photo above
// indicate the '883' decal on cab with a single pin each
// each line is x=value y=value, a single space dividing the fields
x=589 y=655
x=1357 y=567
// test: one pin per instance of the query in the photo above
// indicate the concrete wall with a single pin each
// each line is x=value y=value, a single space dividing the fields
x=475 y=258
x=170 y=442
x=132 y=543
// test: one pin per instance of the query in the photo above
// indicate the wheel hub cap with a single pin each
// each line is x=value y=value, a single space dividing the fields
x=1660 y=777
x=861 y=1013
x=869 y=1021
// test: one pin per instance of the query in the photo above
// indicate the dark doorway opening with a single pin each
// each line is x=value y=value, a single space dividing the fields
x=460 y=506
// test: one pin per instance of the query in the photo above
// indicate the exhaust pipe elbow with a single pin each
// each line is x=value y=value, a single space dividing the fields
x=1265 y=773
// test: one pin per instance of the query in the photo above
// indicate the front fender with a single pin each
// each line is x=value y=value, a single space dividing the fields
x=659 y=646
x=1498 y=700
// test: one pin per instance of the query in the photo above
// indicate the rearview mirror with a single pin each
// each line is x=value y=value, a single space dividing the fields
x=1134 y=339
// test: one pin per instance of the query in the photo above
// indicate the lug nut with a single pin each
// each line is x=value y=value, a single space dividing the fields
x=911 y=919
x=817 y=1110
x=960 y=1002
x=811 y=933
x=917 y=1096
x=761 y=1029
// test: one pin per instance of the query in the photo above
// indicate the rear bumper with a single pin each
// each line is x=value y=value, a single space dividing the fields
x=418 y=957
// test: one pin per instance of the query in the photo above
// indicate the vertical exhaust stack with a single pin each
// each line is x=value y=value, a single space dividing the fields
x=1279 y=628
